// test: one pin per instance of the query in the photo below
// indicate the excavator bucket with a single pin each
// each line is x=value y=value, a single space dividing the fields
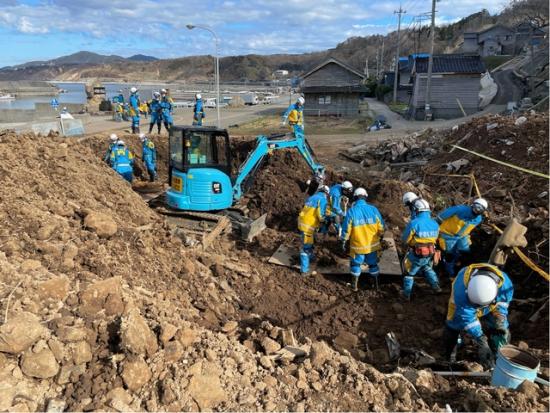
x=253 y=228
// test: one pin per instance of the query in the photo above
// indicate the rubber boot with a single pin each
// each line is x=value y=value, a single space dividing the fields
x=354 y=283
x=159 y=127
x=133 y=129
x=137 y=129
x=304 y=263
x=150 y=127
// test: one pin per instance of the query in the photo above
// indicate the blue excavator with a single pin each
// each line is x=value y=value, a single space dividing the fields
x=200 y=162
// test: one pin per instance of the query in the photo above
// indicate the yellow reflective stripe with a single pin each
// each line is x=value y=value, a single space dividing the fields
x=489 y=267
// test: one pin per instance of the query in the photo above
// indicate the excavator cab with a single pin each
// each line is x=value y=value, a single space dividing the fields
x=199 y=169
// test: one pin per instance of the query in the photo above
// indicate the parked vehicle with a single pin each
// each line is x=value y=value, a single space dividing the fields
x=250 y=99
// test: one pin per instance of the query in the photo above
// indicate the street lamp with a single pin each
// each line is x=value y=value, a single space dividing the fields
x=217 y=41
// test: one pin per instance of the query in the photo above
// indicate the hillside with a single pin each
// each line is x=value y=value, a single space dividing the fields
x=353 y=51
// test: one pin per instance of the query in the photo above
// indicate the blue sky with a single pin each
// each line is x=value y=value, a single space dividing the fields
x=45 y=29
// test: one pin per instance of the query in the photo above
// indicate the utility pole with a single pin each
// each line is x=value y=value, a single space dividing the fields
x=367 y=67
x=428 y=102
x=399 y=12
x=377 y=63
x=382 y=57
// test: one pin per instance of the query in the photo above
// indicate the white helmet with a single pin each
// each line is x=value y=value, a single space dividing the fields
x=156 y=94
x=133 y=89
x=421 y=205
x=324 y=188
x=163 y=91
x=113 y=137
x=347 y=185
x=198 y=96
x=360 y=192
x=409 y=198
x=482 y=288
x=120 y=142
x=142 y=137
x=479 y=206
x=301 y=100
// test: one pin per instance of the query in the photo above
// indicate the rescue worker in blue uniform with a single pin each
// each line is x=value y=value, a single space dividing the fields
x=408 y=201
x=122 y=161
x=156 y=113
x=479 y=292
x=198 y=110
x=420 y=236
x=295 y=116
x=149 y=156
x=309 y=221
x=119 y=98
x=339 y=194
x=134 y=109
x=455 y=225
x=166 y=104
x=112 y=143
x=364 y=227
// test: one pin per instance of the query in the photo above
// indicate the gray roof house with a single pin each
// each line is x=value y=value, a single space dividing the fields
x=501 y=40
x=333 y=88
x=455 y=78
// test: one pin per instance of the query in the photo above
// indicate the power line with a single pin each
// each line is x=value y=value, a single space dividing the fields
x=399 y=12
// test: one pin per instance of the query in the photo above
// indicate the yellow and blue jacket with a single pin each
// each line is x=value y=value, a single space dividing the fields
x=134 y=104
x=421 y=230
x=313 y=213
x=364 y=227
x=457 y=222
x=121 y=159
x=335 y=200
x=295 y=115
x=464 y=316
x=149 y=152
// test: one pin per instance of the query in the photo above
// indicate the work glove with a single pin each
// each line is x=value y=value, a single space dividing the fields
x=486 y=357
x=500 y=338
x=343 y=243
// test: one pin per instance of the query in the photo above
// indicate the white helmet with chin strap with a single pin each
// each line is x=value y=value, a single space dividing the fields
x=324 y=188
x=347 y=185
x=113 y=137
x=479 y=206
x=301 y=101
x=133 y=89
x=142 y=137
x=421 y=205
x=482 y=288
x=360 y=192
x=409 y=198
x=198 y=96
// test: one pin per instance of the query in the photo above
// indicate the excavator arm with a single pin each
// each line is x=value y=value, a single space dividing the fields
x=264 y=146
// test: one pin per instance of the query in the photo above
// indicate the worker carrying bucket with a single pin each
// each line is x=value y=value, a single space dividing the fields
x=480 y=292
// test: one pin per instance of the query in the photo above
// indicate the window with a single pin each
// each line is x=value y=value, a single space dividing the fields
x=176 y=151
x=199 y=149
x=324 y=100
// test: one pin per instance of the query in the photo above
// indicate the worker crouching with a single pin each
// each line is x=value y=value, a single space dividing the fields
x=420 y=236
x=122 y=161
x=364 y=227
x=310 y=220
x=479 y=292
x=339 y=196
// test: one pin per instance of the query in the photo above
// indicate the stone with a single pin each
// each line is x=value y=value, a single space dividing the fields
x=136 y=336
x=28 y=266
x=82 y=353
x=41 y=365
x=46 y=231
x=56 y=406
x=522 y=345
x=529 y=389
x=266 y=362
x=102 y=224
x=173 y=351
x=320 y=352
x=135 y=374
x=270 y=381
x=20 y=332
x=317 y=386
x=167 y=332
x=55 y=288
x=346 y=340
x=187 y=337
x=270 y=346
x=71 y=334
x=288 y=338
x=120 y=394
x=400 y=317
x=205 y=387
x=95 y=297
x=230 y=327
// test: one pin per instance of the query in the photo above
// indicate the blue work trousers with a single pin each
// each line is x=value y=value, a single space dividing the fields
x=415 y=266
x=453 y=248
x=306 y=253
x=370 y=259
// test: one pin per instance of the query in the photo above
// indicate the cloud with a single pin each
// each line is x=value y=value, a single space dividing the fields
x=244 y=26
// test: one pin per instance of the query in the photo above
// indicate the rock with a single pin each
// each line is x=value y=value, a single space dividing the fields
x=45 y=231
x=205 y=387
x=230 y=327
x=400 y=317
x=71 y=334
x=520 y=121
x=530 y=389
x=167 y=332
x=319 y=354
x=136 y=336
x=173 y=351
x=28 y=266
x=270 y=381
x=135 y=374
x=397 y=307
x=120 y=394
x=56 y=288
x=55 y=406
x=41 y=365
x=20 y=332
x=96 y=296
x=266 y=362
x=522 y=345
x=270 y=346
x=82 y=353
x=346 y=340
x=288 y=338
x=492 y=126
x=102 y=224
x=187 y=337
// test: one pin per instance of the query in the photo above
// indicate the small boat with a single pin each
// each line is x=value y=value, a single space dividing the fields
x=7 y=97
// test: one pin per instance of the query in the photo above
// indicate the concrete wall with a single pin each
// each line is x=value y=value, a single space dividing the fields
x=27 y=88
